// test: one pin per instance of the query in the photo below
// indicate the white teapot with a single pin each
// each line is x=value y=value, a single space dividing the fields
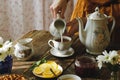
x=23 y=50
x=96 y=35
x=57 y=27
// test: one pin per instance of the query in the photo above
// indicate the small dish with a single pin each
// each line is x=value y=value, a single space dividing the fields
x=85 y=66
x=69 y=77
x=41 y=76
x=65 y=53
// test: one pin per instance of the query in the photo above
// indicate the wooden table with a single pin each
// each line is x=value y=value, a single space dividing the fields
x=41 y=49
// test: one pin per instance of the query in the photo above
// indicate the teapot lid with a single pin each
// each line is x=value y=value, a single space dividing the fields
x=97 y=15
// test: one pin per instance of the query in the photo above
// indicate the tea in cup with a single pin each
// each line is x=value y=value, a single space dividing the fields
x=56 y=43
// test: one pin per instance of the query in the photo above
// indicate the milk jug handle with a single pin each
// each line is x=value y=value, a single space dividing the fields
x=58 y=15
x=113 y=25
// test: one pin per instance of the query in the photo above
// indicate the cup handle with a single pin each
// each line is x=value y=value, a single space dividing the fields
x=49 y=43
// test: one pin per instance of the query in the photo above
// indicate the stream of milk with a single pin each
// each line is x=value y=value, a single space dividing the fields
x=60 y=26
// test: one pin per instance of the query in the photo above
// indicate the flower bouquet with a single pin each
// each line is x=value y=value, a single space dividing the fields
x=111 y=60
x=5 y=56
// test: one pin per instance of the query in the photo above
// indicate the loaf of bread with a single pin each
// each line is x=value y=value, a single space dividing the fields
x=12 y=77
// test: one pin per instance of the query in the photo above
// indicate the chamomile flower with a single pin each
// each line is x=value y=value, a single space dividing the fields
x=112 y=58
x=5 y=48
x=100 y=60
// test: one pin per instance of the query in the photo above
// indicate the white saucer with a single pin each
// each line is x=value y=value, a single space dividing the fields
x=69 y=76
x=65 y=53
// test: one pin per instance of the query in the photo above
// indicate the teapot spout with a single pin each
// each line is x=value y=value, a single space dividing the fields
x=82 y=33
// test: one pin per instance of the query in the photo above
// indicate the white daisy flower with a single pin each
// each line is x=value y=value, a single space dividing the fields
x=7 y=45
x=106 y=55
x=113 y=56
x=100 y=65
x=108 y=58
x=5 y=49
x=100 y=60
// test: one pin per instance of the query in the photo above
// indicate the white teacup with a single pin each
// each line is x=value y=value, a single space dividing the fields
x=57 y=44
x=69 y=77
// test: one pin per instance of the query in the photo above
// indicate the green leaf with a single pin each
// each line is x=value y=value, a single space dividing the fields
x=43 y=60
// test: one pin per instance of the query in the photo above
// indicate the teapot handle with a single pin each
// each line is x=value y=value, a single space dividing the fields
x=113 y=25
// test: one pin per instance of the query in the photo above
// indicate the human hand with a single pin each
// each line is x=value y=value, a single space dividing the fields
x=58 y=6
x=74 y=26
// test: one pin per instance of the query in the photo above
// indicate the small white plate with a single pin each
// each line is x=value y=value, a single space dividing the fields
x=59 y=53
x=69 y=77
x=41 y=76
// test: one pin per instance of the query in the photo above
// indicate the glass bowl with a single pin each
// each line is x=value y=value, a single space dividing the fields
x=85 y=66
